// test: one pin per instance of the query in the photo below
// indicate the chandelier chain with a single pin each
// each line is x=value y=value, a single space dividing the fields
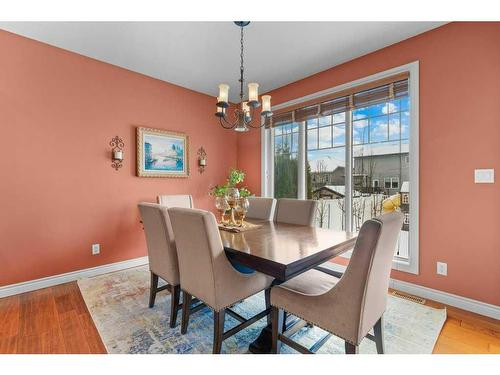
x=241 y=64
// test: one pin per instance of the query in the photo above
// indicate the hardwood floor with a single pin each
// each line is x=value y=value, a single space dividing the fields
x=51 y=320
x=56 y=320
x=467 y=333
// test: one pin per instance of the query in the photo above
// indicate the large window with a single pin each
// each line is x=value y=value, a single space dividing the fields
x=325 y=167
x=286 y=140
x=359 y=156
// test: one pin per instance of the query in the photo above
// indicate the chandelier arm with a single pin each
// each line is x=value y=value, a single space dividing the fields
x=249 y=123
x=256 y=127
x=222 y=121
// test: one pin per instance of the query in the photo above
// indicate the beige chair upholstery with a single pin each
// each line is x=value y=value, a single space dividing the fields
x=204 y=268
x=351 y=306
x=160 y=242
x=296 y=211
x=162 y=254
x=176 y=200
x=207 y=273
x=261 y=208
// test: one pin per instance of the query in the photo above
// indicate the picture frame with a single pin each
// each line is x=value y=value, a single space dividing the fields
x=162 y=153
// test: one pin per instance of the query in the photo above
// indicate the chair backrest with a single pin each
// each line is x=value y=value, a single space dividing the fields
x=176 y=200
x=160 y=242
x=261 y=208
x=363 y=288
x=200 y=250
x=296 y=211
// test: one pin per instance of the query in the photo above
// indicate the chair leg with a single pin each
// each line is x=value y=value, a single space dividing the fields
x=278 y=316
x=351 y=349
x=267 y=295
x=174 y=304
x=186 y=304
x=285 y=316
x=152 y=289
x=378 y=330
x=219 y=319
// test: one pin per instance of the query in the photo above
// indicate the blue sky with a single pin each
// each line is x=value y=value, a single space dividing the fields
x=380 y=124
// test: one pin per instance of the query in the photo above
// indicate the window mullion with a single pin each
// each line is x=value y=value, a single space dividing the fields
x=348 y=172
x=301 y=162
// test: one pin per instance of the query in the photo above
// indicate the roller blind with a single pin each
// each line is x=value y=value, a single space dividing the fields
x=357 y=97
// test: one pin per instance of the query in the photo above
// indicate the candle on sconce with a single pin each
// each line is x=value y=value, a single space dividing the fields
x=118 y=155
x=202 y=159
x=116 y=152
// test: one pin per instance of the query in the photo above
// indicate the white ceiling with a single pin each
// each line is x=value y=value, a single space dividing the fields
x=200 y=55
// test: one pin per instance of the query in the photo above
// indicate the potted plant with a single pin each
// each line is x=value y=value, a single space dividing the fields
x=229 y=194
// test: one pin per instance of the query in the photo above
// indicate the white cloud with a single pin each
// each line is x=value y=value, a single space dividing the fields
x=389 y=108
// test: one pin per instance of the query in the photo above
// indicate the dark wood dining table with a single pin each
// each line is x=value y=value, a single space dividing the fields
x=283 y=251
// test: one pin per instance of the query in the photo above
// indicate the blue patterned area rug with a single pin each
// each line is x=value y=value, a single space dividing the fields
x=118 y=303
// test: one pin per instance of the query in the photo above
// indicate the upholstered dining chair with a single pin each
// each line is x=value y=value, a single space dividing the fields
x=207 y=274
x=162 y=254
x=176 y=200
x=296 y=211
x=348 y=307
x=261 y=208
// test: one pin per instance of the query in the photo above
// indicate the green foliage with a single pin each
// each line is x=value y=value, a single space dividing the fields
x=235 y=177
x=218 y=190
x=285 y=174
x=244 y=192
x=309 y=181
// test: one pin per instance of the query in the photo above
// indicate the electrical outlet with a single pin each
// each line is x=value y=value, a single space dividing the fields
x=442 y=268
x=484 y=176
x=96 y=249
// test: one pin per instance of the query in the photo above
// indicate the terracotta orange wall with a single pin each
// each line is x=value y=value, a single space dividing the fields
x=459 y=131
x=58 y=192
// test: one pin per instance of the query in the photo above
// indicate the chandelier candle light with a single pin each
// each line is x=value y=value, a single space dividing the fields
x=244 y=113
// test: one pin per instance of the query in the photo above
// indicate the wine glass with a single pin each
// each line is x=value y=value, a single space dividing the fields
x=232 y=195
x=241 y=210
x=222 y=206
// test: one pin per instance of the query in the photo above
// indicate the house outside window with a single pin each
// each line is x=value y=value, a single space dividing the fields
x=340 y=151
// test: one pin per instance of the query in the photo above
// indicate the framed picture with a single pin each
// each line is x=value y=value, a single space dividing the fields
x=161 y=153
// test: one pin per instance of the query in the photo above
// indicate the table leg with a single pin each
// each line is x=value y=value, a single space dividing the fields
x=263 y=343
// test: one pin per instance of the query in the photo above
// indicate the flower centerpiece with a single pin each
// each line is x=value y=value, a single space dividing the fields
x=230 y=197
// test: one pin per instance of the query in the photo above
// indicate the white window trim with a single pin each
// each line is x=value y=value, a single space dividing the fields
x=412 y=264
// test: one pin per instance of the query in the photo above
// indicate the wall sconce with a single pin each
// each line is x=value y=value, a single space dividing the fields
x=116 y=152
x=202 y=159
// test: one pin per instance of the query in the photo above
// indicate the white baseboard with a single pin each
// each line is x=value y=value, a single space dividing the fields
x=463 y=303
x=46 y=282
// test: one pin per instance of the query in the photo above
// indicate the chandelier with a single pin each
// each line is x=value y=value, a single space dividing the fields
x=243 y=114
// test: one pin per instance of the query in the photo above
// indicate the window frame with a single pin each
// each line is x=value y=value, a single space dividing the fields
x=391 y=181
x=410 y=265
